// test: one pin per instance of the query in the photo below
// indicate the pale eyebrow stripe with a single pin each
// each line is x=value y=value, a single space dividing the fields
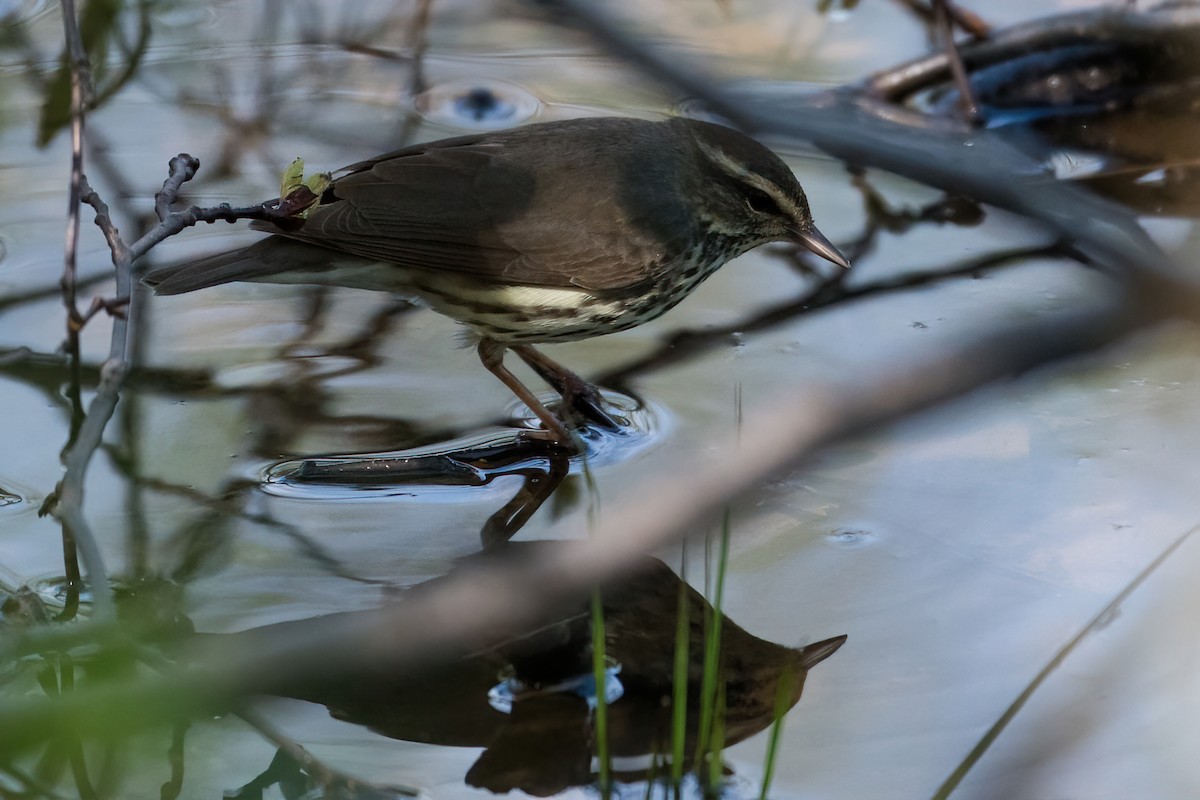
x=736 y=170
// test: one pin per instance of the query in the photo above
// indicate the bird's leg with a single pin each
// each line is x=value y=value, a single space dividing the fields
x=491 y=353
x=576 y=392
x=539 y=485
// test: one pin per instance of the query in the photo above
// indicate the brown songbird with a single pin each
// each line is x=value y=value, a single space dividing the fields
x=551 y=232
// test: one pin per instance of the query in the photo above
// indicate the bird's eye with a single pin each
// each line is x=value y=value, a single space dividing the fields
x=762 y=202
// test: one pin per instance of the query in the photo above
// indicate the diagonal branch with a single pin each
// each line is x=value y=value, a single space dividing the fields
x=850 y=126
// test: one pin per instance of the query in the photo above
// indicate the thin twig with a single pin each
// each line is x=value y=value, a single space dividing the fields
x=47 y=291
x=226 y=504
x=418 y=43
x=80 y=90
x=78 y=540
x=68 y=501
x=182 y=168
x=967 y=21
x=133 y=55
x=966 y=95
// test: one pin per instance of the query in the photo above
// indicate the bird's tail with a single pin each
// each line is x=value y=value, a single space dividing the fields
x=261 y=261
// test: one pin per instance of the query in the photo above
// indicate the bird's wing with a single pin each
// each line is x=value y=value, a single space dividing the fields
x=521 y=211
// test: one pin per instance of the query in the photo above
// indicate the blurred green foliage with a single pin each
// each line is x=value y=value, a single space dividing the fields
x=100 y=28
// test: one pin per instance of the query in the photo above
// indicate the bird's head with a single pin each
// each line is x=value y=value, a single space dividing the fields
x=750 y=195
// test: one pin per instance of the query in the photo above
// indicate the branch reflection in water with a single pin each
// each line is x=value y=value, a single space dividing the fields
x=476 y=461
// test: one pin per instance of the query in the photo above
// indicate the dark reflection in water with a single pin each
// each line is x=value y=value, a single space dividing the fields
x=546 y=744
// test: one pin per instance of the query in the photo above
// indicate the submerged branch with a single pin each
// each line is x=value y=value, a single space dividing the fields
x=1165 y=26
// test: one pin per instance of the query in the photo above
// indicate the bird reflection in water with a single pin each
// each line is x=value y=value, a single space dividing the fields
x=545 y=744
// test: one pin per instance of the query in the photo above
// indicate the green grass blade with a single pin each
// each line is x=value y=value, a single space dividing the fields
x=680 y=679
x=601 y=713
x=712 y=652
x=717 y=744
x=783 y=696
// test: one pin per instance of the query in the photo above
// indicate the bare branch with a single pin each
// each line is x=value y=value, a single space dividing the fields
x=945 y=29
x=180 y=169
x=80 y=90
x=966 y=20
x=67 y=503
x=77 y=536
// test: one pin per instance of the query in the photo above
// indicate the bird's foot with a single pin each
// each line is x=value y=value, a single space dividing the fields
x=582 y=399
x=579 y=397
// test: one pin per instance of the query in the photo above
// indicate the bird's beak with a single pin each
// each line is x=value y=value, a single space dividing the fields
x=815 y=241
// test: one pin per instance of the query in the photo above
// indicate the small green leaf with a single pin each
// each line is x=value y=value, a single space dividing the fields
x=293 y=177
x=298 y=194
x=318 y=183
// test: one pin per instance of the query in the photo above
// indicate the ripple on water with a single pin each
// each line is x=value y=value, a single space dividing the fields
x=851 y=538
x=448 y=469
x=640 y=426
x=479 y=104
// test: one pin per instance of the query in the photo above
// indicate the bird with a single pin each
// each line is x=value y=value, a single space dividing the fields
x=549 y=232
